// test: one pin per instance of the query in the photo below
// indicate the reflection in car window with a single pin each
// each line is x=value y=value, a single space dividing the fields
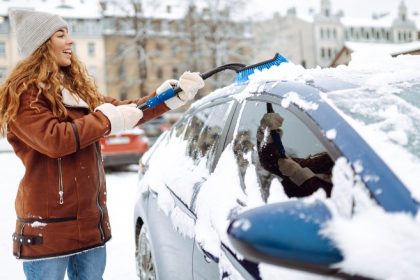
x=203 y=132
x=280 y=147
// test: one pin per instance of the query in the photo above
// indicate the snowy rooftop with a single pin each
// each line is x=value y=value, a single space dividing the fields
x=160 y=9
x=67 y=9
x=392 y=49
x=385 y=21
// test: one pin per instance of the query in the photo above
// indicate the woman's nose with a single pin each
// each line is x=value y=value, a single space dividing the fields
x=70 y=40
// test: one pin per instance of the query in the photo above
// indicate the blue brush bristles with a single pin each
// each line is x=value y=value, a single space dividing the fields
x=243 y=75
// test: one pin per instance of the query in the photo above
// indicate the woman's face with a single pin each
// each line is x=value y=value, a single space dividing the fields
x=61 y=47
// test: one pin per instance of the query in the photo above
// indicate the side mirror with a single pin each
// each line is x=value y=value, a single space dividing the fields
x=286 y=234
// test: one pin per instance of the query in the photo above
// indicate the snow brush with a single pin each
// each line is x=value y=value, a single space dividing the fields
x=242 y=76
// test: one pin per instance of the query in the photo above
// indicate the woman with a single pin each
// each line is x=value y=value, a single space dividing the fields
x=54 y=117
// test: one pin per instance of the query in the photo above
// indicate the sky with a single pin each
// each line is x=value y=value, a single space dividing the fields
x=351 y=8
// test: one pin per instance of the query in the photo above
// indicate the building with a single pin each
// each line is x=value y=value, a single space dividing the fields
x=147 y=45
x=316 y=38
x=344 y=55
x=131 y=49
x=333 y=31
x=84 y=19
x=290 y=35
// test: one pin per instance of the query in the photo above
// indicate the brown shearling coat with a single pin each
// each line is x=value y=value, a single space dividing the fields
x=61 y=200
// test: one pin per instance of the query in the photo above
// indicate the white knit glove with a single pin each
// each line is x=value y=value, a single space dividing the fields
x=121 y=117
x=189 y=82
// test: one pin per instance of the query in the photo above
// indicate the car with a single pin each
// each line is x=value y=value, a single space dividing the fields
x=154 y=128
x=123 y=149
x=293 y=174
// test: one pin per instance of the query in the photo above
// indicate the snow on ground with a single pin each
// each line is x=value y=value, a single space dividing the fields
x=120 y=250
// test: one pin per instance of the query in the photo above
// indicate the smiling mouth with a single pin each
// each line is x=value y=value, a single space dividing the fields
x=67 y=52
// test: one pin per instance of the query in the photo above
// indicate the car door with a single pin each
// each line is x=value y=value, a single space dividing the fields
x=206 y=136
x=257 y=163
x=172 y=252
x=189 y=151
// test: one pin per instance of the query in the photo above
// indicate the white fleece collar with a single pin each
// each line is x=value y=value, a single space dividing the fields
x=71 y=100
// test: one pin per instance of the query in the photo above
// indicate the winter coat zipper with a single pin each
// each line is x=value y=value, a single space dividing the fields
x=60 y=183
x=101 y=211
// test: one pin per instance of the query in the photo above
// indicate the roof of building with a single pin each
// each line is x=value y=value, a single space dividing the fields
x=68 y=9
x=383 y=21
x=392 y=49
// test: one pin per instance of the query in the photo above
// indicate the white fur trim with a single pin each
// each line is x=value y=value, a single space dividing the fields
x=114 y=116
x=71 y=100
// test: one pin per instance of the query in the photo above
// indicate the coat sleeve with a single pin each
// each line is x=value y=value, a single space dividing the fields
x=38 y=128
x=148 y=114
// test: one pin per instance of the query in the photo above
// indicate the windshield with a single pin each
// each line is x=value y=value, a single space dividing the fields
x=389 y=120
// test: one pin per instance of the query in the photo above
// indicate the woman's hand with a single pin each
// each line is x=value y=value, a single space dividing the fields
x=121 y=117
x=189 y=82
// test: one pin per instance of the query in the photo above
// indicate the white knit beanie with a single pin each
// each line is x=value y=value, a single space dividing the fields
x=33 y=28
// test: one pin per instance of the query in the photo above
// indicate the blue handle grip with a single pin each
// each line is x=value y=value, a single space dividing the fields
x=159 y=99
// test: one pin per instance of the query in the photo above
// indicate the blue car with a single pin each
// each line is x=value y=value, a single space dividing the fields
x=288 y=174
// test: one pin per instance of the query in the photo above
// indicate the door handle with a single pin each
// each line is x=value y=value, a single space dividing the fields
x=153 y=193
x=208 y=257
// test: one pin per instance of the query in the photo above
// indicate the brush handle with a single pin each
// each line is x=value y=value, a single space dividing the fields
x=169 y=93
x=159 y=99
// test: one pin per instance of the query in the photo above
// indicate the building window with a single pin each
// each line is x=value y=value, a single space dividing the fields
x=91 y=49
x=159 y=49
x=3 y=72
x=123 y=94
x=2 y=49
x=174 y=50
x=175 y=73
x=322 y=53
x=322 y=33
x=122 y=74
x=120 y=49
x=329 y=53
x=92 y=70
x=159 y=73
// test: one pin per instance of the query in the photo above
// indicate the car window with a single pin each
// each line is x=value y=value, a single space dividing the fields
x=203 y=133
x=281 y=150
x=189 y=150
